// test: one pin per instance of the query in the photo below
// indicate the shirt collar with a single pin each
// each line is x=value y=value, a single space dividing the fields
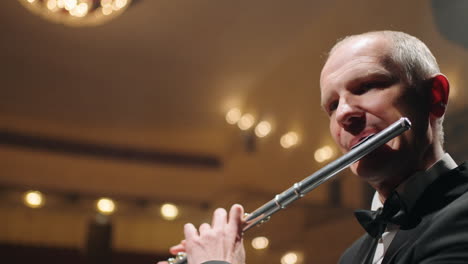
x=412 y=188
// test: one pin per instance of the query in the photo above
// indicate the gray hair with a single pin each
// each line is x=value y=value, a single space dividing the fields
x=413 y=58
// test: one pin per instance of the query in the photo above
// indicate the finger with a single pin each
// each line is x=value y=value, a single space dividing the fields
x=190 y=231
x=235 y=214
x=177 y=248
x=235 y=218
x=162 y=262
x=219 y=218
x=204 y=228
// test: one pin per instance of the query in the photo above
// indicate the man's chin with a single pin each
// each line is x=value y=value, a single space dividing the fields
x=375 y=163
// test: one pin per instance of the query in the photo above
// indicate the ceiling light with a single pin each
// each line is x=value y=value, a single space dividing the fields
x=169 y=211
x=263 y=129
x=324 y=153
x=260 y=243
x=33 y=199
x=105 y=206
x=289 y=139
x=77 y=12
x=246 y=122
x=292 y=258
x=233 y=116
x=70 y=4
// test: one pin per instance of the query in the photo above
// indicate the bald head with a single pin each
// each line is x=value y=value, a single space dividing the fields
x=410 y=55
x=404 y=55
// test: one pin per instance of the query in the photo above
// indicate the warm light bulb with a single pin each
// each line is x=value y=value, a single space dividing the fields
x=118 y=4
x=105 y=3
x=324 y=153
x=70 y=4
x=169 y=211
x=80 y=10
x=107 y=10
x=105 y=206
x=52 y=4
x=263 y=129
x=233 y=116
x=33 y=199
x=260 y=243
x=246 y=122
x=289 y=139
x=289 y=258
x=77 y=12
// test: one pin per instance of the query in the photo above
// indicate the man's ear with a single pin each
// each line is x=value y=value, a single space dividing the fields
x=439 y=91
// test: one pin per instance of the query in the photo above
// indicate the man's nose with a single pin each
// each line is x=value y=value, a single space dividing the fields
x=350 y=116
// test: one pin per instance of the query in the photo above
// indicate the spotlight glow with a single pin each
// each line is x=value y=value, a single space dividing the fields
x=52 y=5
x=70 y=4
x=324 y=153
x=289 y=139
x=77 y=13
x=169 y=211
x=107 y=10
x=33 y=199
x=118 y=4
x=105 y=3
x=233 y=116
x=246 y=122
x=263 y=129
x=290 y=258
x=80 y=10
x=260 y=243
x=106 y=206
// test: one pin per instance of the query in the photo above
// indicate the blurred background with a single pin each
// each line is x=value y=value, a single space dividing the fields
x=160 y=111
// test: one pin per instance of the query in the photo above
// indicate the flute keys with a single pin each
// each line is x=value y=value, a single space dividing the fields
x=264 y=220
x=181 y=255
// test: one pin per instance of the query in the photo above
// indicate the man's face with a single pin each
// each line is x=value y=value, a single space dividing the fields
x=362 y=96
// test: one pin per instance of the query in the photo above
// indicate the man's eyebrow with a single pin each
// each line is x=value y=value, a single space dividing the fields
x=377 y=74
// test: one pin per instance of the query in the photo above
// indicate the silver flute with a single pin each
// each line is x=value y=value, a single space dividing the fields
x=299 y=189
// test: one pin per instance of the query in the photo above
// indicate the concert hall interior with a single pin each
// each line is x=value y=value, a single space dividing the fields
x=170 y=109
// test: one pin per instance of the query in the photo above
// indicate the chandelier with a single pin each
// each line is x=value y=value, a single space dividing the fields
x=77 y=12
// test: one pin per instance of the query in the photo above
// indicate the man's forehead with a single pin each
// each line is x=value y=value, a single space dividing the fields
x=360 y=49
x=358 y=67
x=356 y=59
x=358 y=46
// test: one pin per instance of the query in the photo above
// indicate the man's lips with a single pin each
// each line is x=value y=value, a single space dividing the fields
x=362 y=141
x=360 y=138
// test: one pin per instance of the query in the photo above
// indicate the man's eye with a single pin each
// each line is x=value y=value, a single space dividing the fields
x=332 y=106
x=365 y=87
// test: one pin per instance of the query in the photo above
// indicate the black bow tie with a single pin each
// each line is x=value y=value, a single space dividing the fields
x=393 y=212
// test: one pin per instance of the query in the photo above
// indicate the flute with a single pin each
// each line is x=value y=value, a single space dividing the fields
x=299 y=189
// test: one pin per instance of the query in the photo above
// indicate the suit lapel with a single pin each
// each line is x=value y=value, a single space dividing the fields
x=444 y=190
x=364 y=249
x=402 y=239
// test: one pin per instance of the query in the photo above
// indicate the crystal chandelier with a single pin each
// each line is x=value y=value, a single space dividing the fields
x=77 y=12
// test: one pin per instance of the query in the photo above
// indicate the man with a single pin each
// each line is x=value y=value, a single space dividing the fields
x=368 y=82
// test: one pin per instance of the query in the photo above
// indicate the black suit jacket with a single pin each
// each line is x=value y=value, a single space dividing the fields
x=442 y=233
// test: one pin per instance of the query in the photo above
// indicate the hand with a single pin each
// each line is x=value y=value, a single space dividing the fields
x=220 y=241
